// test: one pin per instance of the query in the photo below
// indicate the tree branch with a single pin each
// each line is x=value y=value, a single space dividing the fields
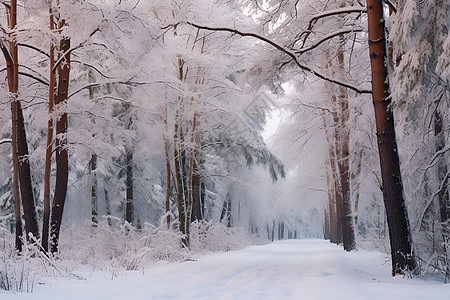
x=5 y=141
x=326 y=38
x=391 y=5
x=285 y=51
x=33 y=48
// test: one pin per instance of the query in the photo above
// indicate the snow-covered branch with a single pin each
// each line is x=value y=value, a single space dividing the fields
x=285 y=51
x=326 y=38
x=5 y=141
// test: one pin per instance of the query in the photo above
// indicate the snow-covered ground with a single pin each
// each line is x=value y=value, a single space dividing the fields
x=292 y=269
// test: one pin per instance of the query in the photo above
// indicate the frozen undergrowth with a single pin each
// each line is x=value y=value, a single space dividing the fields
x=112 y=250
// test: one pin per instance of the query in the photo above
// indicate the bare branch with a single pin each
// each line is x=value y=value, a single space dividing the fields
x=391 y=5
x=33 y=48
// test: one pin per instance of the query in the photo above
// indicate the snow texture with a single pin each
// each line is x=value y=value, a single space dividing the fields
x=292 y=269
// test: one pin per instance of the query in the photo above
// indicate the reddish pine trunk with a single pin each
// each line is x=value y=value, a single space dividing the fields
x=21 y=164
x=48 y=150
x=397 y=217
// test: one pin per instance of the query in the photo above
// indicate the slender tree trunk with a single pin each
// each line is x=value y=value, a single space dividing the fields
x=108 y=207
x=197 y=193
x=21 y=164
x=357 y=188
x=179 y=160
x=94 y=187
x=129 y=207
x=331 y=204
x=48 y=150
x=62 y=163
x=443 y=193
x=326 y=224
x=190 y=173
x=399 y=231
x=166 y=150
x=93 y=167
x=11 y=78
x=348 y=230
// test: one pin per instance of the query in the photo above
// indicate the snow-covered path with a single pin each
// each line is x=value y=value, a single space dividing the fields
x=293 y=269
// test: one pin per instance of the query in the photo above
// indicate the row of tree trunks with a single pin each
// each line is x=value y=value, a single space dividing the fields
x=341 y=224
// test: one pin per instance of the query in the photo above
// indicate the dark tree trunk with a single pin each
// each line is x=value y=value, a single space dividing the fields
x=62 y=162
x=326 y=225
x=26 y=189
x=94 y=186
x=48 y=150
x=399 y=232
x=21 y=164
x=198 y=192
x=108 y=207
x=129 y=207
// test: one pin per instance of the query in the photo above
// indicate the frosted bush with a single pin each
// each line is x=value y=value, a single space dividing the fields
x=207 y=237
x=112 y=250
x=17 y=272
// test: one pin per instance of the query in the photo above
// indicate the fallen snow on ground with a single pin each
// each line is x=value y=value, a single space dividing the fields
x=292 y=269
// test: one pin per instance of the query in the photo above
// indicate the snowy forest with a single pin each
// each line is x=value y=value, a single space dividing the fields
x=138 y=131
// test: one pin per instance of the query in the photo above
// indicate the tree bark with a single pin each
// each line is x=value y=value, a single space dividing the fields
x=62 y=163
x=21 y=164
x=348 y=230
x=48 y=150
x=399 y=231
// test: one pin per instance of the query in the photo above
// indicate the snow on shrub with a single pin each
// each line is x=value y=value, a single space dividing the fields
x=208 y=236
x=112 y=250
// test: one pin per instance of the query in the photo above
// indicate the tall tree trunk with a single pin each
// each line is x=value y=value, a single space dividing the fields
x=348 y=230
x=129 y=207
x=48 y=150
x=166 y=150
x=357 y=188
x=443 y=193
x=26 y=189
x=331 y=204
x=399 y=231
x=62 y=163
x=21 y=164
x=11 y=78
x=93 y=167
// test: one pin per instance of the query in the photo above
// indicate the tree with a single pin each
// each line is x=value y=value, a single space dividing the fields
x=399 y=231
x=21 y=165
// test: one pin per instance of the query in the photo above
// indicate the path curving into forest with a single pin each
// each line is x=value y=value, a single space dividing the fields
x=292 y=269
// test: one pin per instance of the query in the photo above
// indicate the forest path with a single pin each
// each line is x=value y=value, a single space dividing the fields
x=292 y=269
